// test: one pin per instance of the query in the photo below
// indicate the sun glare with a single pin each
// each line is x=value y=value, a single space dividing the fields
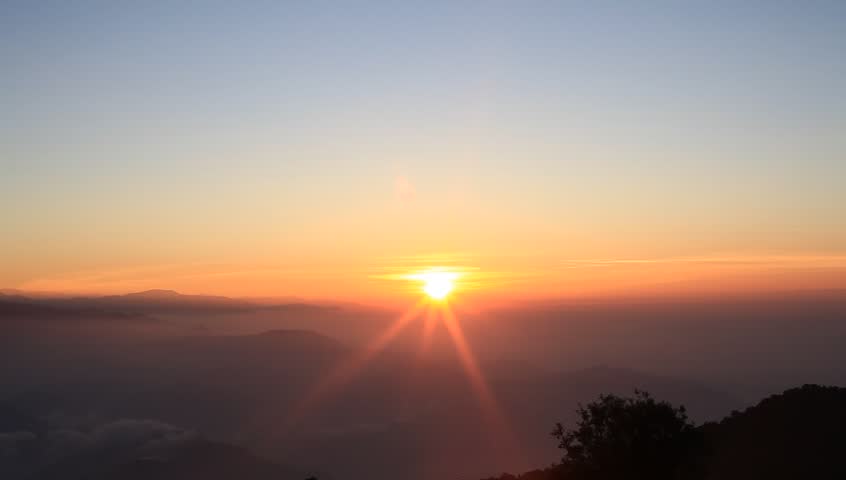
x=437 y=284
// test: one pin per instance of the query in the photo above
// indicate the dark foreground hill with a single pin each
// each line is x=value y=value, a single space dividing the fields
x=800 y=433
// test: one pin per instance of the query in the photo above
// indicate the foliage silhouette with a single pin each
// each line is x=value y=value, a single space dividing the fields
x=627 y=438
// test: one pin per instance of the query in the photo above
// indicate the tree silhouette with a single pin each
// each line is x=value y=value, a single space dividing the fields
x=627 y=438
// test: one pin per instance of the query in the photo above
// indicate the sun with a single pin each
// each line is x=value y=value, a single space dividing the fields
x=437 y=284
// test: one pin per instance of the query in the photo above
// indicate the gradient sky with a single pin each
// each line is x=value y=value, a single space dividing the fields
x=319 y=148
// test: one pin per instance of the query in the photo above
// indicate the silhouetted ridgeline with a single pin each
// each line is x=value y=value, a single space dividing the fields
x=800 y=433
x=148 y=302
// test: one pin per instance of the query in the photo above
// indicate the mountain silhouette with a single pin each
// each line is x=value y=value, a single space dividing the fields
x=800 y=433
x=796 y=434
x=152 y=302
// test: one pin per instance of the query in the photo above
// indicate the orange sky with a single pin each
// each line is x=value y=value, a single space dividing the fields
x=510 y=244
x=316 y=152
x=487 y=280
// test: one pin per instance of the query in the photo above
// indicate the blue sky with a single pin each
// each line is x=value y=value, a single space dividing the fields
x=717 y=126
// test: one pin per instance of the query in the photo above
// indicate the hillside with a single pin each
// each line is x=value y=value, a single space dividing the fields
x=796 y=434
x=800 y=433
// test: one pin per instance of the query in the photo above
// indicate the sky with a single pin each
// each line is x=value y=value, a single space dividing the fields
x=323 y=149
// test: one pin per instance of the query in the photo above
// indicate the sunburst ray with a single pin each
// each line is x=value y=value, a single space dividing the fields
x=344 y=372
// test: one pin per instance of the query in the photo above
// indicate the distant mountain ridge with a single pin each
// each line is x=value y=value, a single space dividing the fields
x=156 y=301
x=165 y=301
x=19 y=307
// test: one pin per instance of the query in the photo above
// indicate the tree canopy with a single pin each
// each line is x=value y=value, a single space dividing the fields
x=627 y=438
